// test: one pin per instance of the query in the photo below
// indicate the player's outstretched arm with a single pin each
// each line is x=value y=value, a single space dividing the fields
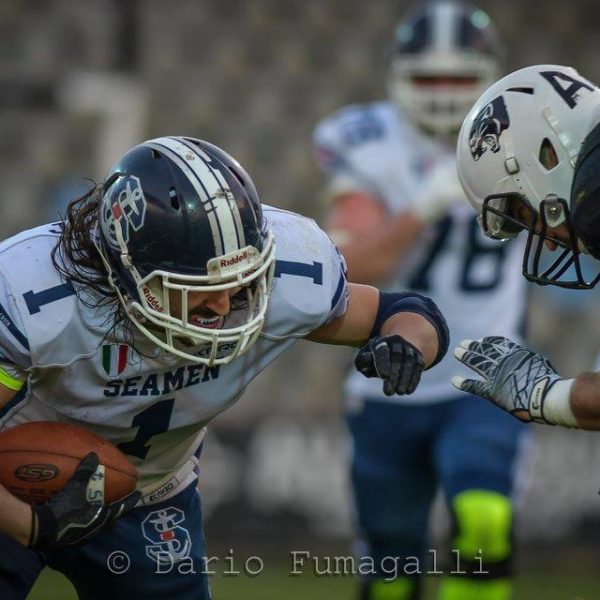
x=526 y=385
x=400 y=334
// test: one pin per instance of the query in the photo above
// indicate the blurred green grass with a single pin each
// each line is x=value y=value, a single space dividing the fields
x=275 y=582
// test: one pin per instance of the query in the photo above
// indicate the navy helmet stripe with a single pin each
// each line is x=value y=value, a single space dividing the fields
x=225 y=209
x=198 y=185
x=233 y=208
x=220 y=214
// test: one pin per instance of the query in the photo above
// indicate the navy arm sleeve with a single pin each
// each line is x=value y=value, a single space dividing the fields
x=396 y=302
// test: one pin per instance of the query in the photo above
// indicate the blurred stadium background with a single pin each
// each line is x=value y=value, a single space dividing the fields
x=82 y=81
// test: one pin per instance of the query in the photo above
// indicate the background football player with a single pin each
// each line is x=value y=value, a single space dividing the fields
x=173 y=264
x=528 y=161
x=398 y=215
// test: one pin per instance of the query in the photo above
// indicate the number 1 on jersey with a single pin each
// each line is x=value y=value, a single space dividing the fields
x=150 y=422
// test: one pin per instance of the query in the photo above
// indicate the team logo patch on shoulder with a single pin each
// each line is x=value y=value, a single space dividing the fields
x=126 y=209
x=115 y=357
x=487 y=128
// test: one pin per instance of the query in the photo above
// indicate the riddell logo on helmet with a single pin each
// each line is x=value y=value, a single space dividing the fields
x=152 y=300
x=234 y=260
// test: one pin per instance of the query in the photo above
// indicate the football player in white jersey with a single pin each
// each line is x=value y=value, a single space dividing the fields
x=143 y=316
x=399 y=217
x=528 y=156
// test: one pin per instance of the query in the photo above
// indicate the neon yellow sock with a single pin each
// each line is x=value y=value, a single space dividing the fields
x=484 y=522
x=463 y=588
x=399 y=589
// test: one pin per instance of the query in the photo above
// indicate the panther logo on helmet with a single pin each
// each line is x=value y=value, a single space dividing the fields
x=126 y=207
x=487 y=127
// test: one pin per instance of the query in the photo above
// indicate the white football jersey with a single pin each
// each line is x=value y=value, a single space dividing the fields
x=475 y=281
x=154 y=406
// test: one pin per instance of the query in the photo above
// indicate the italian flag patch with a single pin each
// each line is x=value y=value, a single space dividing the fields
x=114 y=358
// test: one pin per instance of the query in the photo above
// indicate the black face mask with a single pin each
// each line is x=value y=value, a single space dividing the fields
x=561 y=267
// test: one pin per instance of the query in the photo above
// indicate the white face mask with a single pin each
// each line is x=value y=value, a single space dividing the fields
x=215 y=339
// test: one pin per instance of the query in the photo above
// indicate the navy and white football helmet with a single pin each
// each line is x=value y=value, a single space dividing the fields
x=179 y=215
x=446 y=53
x=518 y=152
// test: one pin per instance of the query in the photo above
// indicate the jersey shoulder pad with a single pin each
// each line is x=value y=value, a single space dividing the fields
x=354 y=125
x=310 y=276
x=46 y=307
x=365 y=149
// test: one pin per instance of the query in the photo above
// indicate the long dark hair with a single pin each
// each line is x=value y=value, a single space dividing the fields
x=76 y=257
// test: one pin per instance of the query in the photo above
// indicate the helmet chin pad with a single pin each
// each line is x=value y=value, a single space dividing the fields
x=154 y=294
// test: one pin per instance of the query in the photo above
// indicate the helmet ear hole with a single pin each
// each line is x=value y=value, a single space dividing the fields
x=174 y=198
x=548 y=157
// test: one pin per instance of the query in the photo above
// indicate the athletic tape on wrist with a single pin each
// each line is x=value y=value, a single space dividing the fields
x=557 y=404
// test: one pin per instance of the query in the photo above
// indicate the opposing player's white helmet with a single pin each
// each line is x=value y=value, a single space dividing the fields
x=446 y=53
x=517 y=150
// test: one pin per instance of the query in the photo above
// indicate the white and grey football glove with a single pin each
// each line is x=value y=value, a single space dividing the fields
x=394 y=360
x=514 y=378
x=77 y=512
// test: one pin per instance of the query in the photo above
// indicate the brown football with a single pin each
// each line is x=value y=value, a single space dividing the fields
x=37 y=459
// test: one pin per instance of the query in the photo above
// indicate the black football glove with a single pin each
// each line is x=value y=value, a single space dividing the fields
x=394 y=360
x=77 y=512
